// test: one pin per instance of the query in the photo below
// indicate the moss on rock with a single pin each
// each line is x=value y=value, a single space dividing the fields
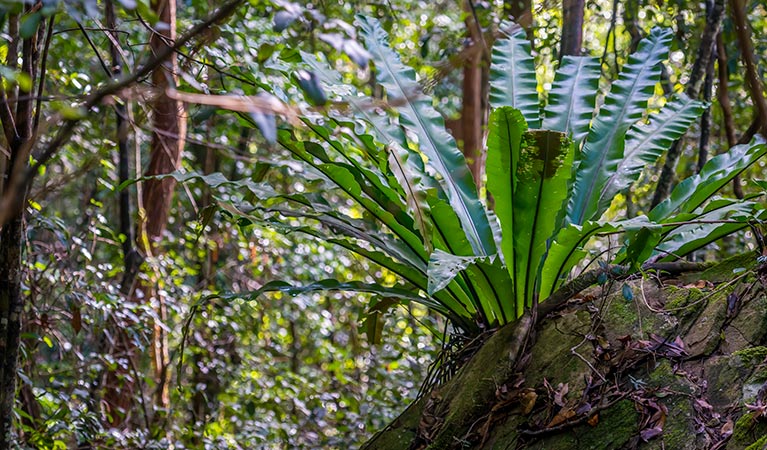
x=748 y=432
x=616 y=427
x=725 y=270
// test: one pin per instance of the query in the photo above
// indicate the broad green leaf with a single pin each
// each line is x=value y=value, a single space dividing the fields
x=417 y=114
x=331 y=285
x=489 y=279
x=373 y=326
x=345 y=180
x=567 y=249
x=495 y=290
x=528 y=175
x=512 y=76
x=447 y=234
x=645 y=143
x=604 y=145
x=444 y=267
x=405 y=165
x=415 y=195
x=565 y=252
x=716 y=173
x=687 y=238
x=507 y=125
x=29 y=24
x=573 y=97
x=540 y=197
x=447 y=297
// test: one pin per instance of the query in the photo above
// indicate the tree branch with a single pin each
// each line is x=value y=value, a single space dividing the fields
x=13 y=198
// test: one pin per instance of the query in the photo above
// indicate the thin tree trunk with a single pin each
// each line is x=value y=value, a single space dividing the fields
x=723 y=95
x=705 y=118
x=572 y=27
x=472 y=111
x=755 y=86
x=18 y=132
x=697 y=75
x=631 y=22
x=131 y=258
x=168 y=137
x=522 y=13
x=119 y=385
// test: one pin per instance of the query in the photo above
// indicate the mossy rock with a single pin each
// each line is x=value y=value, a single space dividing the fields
x=725 y=377
x=662 y=376
x=729 y=268
x=704 y=334
x=617 y=425
x=725 y=368
x=679 y=430
x=749 y=431
x=684 y=303
x=634 y=318
x=750 y=325
x=551 y=357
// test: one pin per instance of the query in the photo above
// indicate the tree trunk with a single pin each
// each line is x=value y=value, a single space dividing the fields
x=17 y=127
x=472 y=108
x=521 y=11
x=753 y=80
x=168 y=138
x=168 y=132
x=572 y=27
x=723 y=96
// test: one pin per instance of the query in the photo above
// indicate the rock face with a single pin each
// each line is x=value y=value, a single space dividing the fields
x=669 y=364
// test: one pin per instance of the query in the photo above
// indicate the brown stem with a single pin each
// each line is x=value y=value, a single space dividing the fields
x=11 y=244
x=43 y=68
x=521 y=11
x=705 y=118
x=472 y=114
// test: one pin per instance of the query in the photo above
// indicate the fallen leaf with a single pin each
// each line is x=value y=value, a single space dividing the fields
x=727 y=428
x=562 y=416
x=649 y=433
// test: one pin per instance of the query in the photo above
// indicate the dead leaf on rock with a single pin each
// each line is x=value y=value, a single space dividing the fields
x=727 y=428
x=649 y=433
x=562 y=416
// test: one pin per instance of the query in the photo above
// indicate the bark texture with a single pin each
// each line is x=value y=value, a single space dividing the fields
x=17 y=116
x=168 y=138
x=572 y=27
x=473 y=107
x=755 y=85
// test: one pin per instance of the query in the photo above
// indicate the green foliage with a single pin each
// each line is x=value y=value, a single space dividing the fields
x=425 y=222
x=512 y=76
x=604 y=146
